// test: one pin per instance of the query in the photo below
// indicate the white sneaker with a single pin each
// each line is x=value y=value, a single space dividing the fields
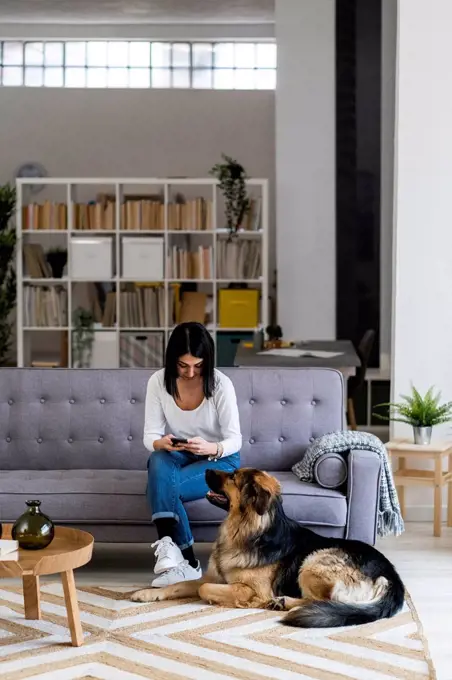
x=168 y=555
x=183 y=572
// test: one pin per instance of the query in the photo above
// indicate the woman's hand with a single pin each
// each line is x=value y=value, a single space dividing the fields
x=200 y=447
x=166 y=444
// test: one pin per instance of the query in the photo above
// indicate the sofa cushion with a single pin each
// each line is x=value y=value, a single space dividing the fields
x=306 y=503
x=58 y=482
x=77 y=495
x=120 y=495
x=93 y=418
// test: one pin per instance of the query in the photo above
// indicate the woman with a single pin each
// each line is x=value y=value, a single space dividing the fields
x=188 y=399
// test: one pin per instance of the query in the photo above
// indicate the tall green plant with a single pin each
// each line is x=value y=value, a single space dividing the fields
x=7 y=272
x=418 y=410
x=232 y=180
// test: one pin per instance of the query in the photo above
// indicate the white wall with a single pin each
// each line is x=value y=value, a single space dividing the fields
x=140 y=133
x=422 y=308
x=305 y=166
x=145 y=31
x=135 y=132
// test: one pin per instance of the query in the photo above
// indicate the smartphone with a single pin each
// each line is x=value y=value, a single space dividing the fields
x=176 y=442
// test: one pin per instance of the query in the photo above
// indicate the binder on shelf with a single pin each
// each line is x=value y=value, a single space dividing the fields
x=193 y=307
x=239 y=260
x=44 y=306
x=94 y=216
x=186 y=264
x=36 y=265
x=44 y=216
x=191 y=215
x=142 y=215
x=142 y=306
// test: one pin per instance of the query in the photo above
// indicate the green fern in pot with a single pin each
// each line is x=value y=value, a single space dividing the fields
x=421 y=412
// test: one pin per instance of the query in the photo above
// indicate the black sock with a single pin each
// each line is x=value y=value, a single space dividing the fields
x=165 y=526
x=189 y=555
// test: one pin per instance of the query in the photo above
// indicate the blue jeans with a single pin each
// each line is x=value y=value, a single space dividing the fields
x=176 y=477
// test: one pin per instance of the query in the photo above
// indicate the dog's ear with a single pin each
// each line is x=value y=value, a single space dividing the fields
x=262 y=502
x=254 y=494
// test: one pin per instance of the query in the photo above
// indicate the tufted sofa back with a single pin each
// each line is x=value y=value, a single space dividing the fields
x=59 y=419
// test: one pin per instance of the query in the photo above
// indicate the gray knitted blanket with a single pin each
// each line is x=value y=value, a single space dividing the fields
x=389 y=516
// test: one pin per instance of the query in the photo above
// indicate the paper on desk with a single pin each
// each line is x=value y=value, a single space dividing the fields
x=283 y=352
x=320 y=354
x=298 y=353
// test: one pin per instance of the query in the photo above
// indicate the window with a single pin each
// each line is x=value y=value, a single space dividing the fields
x=139 y=64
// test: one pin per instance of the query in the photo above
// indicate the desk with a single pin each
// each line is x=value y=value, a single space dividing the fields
x=347 y=362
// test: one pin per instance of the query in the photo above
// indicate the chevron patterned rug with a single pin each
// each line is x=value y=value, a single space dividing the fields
x=178 y=640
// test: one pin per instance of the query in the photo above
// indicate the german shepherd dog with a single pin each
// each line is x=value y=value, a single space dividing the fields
x=263 y=559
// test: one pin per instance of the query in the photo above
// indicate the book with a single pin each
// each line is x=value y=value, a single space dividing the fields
x=8 y=546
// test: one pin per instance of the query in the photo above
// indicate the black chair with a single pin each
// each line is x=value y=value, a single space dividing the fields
x=355 y=382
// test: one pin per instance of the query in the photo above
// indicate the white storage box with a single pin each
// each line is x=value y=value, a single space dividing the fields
x=142 y=258
x=92 y=258
x=105 y=350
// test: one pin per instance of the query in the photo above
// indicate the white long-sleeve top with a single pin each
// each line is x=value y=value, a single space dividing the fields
x=215 y=420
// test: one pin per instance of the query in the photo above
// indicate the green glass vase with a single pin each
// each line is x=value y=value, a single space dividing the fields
x=33 y=530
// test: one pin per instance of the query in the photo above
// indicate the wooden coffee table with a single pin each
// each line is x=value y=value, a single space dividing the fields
x=69 y=550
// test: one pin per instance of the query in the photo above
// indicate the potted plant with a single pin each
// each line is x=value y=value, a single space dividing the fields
x=57 y=258
x=7 y=272
x=232 y=180
x=275 y=334
x=83 y=338
x=421 y=412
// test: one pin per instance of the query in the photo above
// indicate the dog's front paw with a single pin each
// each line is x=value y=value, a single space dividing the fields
x=146 y=595
x=278 y=604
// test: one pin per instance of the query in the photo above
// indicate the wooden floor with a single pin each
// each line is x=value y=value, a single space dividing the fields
x=424 y=562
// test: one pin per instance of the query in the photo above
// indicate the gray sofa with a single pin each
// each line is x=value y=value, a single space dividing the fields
x=73 y=438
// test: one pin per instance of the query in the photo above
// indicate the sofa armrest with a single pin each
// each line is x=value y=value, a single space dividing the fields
x=363 y=494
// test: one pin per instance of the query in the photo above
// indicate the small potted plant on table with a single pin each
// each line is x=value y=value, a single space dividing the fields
x=421 y=412
x=275 y=334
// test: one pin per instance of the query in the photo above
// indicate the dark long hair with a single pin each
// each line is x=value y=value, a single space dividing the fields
x=190 y=338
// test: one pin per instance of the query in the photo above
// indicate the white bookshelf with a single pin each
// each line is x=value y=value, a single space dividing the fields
x=68 y=189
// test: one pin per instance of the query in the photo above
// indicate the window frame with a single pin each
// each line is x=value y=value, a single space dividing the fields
x=179 y=75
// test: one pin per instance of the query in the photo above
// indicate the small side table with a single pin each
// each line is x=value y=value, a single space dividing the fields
x=70 y=549
x=437 y=451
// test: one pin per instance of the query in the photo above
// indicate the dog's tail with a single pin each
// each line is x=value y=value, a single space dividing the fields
x=332 y=613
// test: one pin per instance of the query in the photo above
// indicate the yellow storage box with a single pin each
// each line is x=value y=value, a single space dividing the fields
x=238 y=308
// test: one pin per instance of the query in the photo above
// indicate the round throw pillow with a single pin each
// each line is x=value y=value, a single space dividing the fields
x=330 y=471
